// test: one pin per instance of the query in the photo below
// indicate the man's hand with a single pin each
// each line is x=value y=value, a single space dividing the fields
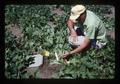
x=66 y=55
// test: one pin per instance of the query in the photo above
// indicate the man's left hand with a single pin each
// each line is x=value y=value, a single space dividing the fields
x=66 y=55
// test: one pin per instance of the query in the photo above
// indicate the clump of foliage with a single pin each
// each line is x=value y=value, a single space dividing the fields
x=93 y=64
x=16 y=59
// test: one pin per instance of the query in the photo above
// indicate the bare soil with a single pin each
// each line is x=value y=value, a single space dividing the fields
x=15 y=30
x=48 y=71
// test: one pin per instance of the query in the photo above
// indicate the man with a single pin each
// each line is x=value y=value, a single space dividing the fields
x=93 y=30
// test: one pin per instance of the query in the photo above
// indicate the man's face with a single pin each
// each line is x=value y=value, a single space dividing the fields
x=81 y=18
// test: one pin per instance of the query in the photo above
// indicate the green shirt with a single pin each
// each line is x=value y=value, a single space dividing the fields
x=94 y=27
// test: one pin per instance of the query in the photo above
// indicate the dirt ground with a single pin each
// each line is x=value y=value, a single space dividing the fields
x=49 y=70
x=46 y=70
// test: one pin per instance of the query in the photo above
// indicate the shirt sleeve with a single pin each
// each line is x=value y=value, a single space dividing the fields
x=90 y=32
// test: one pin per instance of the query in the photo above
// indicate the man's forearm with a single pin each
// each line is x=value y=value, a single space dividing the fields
x=77 y=50
x=70 y=25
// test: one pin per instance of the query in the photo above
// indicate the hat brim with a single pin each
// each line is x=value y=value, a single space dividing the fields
x=74 y=17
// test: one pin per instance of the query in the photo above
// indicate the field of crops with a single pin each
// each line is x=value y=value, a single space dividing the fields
x=31 y=29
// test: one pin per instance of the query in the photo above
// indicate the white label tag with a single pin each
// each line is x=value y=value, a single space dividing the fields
x=38 y=60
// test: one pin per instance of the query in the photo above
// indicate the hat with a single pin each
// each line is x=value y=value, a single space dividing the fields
x=76 y=11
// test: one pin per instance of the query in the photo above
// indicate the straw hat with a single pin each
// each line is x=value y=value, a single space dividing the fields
x=76 y=11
